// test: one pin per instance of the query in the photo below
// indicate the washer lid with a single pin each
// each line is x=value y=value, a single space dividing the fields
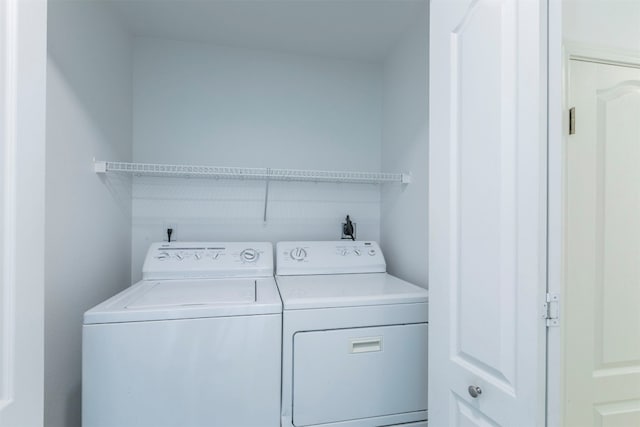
x=185 y=299
x=195 y=292
x=347 y=290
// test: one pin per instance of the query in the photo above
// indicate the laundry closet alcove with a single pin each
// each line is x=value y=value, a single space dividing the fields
x=277 y=85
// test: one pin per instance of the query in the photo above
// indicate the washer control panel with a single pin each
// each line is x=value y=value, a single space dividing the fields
x=331 y=257
x=208 y=260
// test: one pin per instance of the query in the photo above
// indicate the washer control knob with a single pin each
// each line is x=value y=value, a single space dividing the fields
x=357 y=252
x=298 y=254
x=162 y=256
x=249 y=255
x=372 y=252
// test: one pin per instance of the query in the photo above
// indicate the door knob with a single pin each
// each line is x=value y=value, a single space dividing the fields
x=475 y=391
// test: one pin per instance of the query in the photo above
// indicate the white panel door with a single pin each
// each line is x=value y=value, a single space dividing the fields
x=487 y=226
x=22 y=148
x=601 y=321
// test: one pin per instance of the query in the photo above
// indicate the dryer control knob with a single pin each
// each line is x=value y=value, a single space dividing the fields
x=249 y=255
x=298 y=254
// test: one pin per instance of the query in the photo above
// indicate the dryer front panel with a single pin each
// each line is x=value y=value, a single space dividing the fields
x=359 y=373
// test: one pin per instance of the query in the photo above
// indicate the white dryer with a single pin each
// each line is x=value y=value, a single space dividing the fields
x=354 y=338
x=197 y=342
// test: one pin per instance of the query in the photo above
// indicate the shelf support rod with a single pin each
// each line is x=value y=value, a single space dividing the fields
x=266 y=195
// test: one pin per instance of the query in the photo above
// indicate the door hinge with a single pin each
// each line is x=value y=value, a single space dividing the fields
x=572 y=120
x=551 y=310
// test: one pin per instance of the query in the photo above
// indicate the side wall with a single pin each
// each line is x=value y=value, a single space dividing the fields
x=405 y=147
x=88 y=219
x=602 y=23
x=210 y=105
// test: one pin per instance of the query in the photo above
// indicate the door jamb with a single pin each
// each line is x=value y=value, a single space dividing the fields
x=555 y=125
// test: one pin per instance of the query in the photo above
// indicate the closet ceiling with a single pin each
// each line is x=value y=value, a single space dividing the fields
x=354 y=29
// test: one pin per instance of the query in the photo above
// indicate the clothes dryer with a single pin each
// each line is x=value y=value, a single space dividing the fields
x=354 y=338
x=197 y=342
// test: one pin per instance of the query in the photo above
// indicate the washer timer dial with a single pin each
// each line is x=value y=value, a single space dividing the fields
x=249 y=255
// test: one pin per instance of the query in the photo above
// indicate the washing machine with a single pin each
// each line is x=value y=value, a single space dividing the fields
x=354 y=338
x=197 y=342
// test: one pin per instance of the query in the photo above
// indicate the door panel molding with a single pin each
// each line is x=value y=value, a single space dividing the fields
x=473 y=172
x=609 y=177
x=467 y=415
x=617 y=414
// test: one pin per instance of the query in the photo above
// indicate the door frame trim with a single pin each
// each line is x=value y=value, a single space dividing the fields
x=588 y=53
x=23 y=60
x=561 y=55
x=555 y=126
x=9 y=53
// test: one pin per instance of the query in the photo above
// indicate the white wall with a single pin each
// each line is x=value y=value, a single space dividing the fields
x=404 y=210
x=613 y=24
x=88 y=219
x=210 y=105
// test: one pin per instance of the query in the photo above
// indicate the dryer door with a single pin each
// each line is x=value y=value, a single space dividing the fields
x=358 y=373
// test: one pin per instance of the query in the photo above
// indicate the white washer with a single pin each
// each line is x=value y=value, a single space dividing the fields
x=197 y=342
x=354 y=338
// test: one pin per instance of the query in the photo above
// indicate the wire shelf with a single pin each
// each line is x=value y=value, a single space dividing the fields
x=192 y=171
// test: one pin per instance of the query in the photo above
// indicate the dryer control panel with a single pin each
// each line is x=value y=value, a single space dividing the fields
x=331 y=257
x=208 y=260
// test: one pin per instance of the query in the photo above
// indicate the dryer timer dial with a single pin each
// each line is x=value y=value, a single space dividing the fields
x=298 y=254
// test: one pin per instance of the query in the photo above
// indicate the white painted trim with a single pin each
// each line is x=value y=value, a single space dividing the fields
x=23 y=31
x=555 y=158
x=9 y=147
x=589 y=53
